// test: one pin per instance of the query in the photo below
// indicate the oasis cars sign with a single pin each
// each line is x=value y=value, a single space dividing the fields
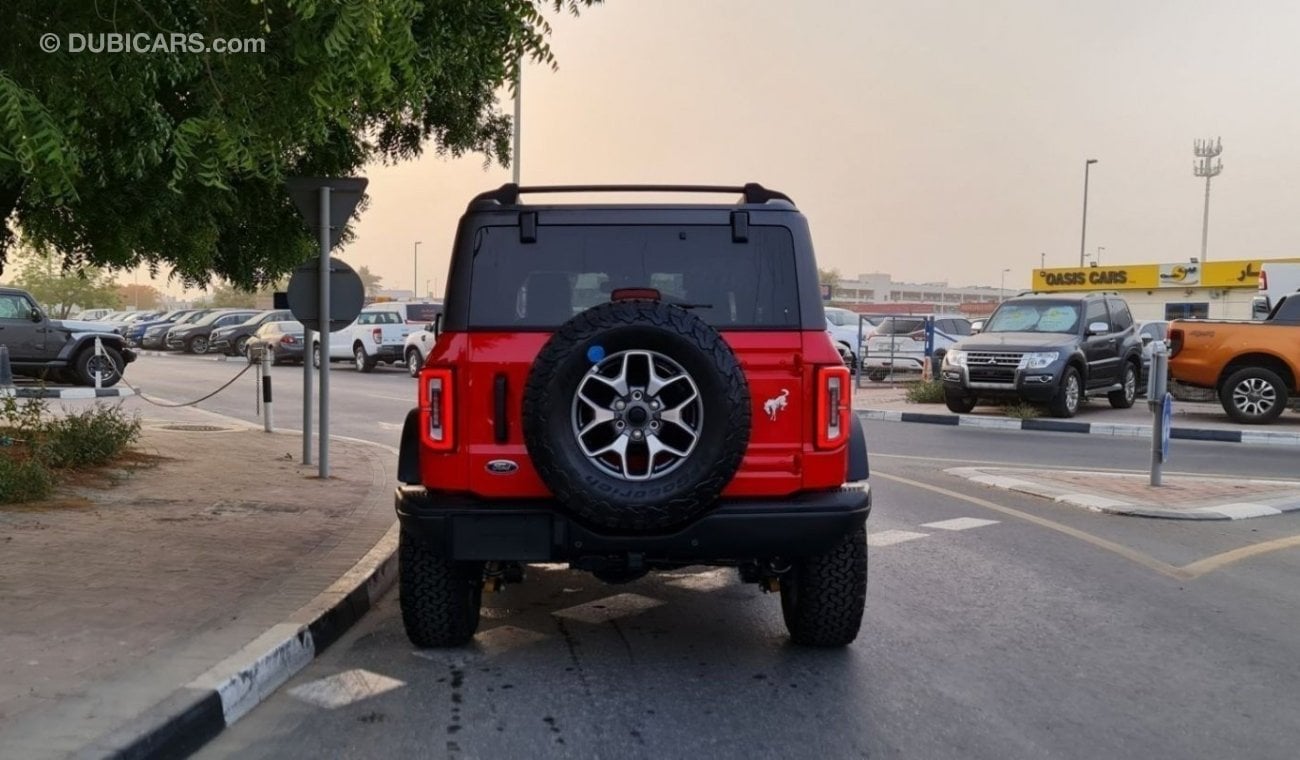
x=1213 y=274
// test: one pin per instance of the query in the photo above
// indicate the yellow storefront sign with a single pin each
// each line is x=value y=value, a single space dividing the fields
x=1213 y=274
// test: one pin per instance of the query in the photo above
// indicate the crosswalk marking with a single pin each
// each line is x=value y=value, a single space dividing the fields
x=891 y=537
x=706 y=581
x=609 y=608
x=344 y=688
x=503 y=638
x=960 y=523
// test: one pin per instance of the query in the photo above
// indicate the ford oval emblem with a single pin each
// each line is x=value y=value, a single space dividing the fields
x=501 y=466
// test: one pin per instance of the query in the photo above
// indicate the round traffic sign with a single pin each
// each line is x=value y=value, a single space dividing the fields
x=347 y=294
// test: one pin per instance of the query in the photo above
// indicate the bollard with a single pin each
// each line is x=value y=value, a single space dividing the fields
x=99 y=354
x=1156 y=401
x=268 y=415
x=6 y=371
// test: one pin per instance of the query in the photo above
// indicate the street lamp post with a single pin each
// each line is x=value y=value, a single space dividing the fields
x=415 y=270
x=1097 y=260
x=1042 y=260
x=1002 y=286
x=1083 y=235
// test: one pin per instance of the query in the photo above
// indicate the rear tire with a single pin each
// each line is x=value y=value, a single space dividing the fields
x=1125 y=396
x=360 y=361
x=959 y=403
x=1254 y=396
x=439 y=598
x=877 y=375
x=823 y=597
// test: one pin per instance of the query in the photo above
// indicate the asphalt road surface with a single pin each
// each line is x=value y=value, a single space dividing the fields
x=998 y=626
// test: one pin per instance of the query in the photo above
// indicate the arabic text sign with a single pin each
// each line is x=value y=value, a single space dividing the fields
x=1243 y=273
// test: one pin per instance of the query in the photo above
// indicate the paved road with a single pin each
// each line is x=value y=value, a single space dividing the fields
x=998 y=626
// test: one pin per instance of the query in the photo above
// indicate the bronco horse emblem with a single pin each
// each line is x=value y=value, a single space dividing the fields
x=775 y=404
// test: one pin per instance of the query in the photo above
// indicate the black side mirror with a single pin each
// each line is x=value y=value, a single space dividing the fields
x=35 y=315
x=436 y=326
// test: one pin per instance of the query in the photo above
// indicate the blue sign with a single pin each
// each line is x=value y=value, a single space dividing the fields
x=826 y=292
x=1166 y=423
x=929 y=336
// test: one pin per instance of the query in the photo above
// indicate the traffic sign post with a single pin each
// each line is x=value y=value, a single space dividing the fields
x=1161 y=404
x=326 y=203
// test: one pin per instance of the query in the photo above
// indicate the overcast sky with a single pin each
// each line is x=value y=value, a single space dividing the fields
x=931 y=140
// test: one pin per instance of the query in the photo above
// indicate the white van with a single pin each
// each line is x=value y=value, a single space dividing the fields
x=1275 y=281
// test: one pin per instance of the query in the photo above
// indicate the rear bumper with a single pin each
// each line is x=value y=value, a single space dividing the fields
x=464 y=528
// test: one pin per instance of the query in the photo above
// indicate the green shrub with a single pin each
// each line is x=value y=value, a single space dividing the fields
x=23 y=479
x=1021 y=411
x=925 y=392
x=88 y=438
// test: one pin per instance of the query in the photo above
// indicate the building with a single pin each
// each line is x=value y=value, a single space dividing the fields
x=1180 y=290
x=878 y=293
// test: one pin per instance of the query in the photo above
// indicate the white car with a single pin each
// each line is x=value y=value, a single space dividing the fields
x=419 y=343
x=377 y=336
x=899 y=344
x=849 y=331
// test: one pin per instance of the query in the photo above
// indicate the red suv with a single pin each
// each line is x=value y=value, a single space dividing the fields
x=629 y=388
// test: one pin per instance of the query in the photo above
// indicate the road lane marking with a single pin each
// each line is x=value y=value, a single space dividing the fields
x=960 y=523
x=609 y=608
x=1068 y=468
x=1219 y=561
x=411 y=399
x=345 y=688
x=1164 y=568
x=891 y=537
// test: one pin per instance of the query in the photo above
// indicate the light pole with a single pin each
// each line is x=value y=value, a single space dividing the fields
x=1207 y=167
x=1042 y=260
x=1097 y=260
x=1002 y=286
x=415 y=267
x=519 y=113
x=1083 y=235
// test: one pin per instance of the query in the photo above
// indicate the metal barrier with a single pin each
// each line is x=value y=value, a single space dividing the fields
x=888 y=375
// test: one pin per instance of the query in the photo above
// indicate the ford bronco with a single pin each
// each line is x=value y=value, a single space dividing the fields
x=631 y=388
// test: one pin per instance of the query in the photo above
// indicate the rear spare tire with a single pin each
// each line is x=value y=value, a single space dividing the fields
x=636 y=415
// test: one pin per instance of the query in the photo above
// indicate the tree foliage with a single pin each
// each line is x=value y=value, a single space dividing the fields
x=369 y=280
x=828 y=276
x=139 y=296
x=176 y=159
x=41 y=273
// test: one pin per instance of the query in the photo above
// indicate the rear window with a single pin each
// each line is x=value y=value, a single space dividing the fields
x=750 y=285
x=900 y=325
x=422 y=312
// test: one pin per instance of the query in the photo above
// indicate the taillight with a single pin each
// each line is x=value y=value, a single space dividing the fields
x=832 y=407
x=1175 y=342
x=1263 y=280
x=378 y=335
x=436 y=408
x=289 y=340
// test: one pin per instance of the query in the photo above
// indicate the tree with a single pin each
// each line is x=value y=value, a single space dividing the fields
x=139 y=296
x=230 y=297
x=40 y=273
x=369 y=280
x=828 y=277
x=178 y=159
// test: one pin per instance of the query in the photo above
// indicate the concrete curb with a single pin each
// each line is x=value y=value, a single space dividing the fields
x=1107 y=505
x=182 y=354
x=196 y=713
x=66 y=393
x=1252 y=437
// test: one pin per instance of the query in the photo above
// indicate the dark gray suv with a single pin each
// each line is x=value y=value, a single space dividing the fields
x=1049 y=349
x=59 y=349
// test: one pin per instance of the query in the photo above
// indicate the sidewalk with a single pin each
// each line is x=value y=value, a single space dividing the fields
x=1181 y=497
x=1191 y=421
x=127 y=587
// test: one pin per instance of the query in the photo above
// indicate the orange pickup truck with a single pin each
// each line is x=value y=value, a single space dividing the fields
x=1252 y=367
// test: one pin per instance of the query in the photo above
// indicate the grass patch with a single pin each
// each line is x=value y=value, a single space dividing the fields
x=1021 y=411
x=38 y=449
x=925 y=392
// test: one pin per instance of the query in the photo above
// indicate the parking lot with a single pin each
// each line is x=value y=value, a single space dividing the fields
x=998 y=624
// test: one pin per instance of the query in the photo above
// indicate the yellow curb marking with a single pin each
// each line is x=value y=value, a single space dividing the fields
x=1186 y=572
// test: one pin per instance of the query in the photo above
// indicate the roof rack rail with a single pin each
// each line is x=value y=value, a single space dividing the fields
x=508 y=194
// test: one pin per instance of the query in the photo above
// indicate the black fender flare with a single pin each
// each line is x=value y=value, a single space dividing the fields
x=408 y=452
x=858 y=469
x=78 y=341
